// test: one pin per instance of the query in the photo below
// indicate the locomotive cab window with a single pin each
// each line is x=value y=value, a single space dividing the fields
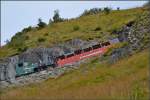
x=20 y=64
x=87 y=49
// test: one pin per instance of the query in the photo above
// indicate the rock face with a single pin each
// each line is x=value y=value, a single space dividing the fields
x=3 y=69
x=136 y=34
x=118 y=54
x=139 y=35
x=7 y=69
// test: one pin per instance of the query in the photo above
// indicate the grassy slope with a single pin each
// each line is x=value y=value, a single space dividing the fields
x=63 y=31
x=126 y=79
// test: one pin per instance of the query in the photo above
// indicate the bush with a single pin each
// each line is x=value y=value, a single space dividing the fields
x=107 y=10
x=41 y=39
x=118 y=8
x=97 y=29
x=75 y=28
x=17 y=40
x=91 y=11
x=56 y=17
x=22 y=49
x=90 y=38
x=41 y=24
x=27 y=29
x=46 y=34
x=26 y=37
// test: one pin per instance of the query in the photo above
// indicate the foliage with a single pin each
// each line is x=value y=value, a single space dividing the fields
x=41 y=39
x=26 y=37
x=137 y=93
x=41 y=24
x=17 y=40
x=27 y=29
x=76 y=27
x=97 y=29
x=22 y=49
x=91 y=11
x=107 y=10
x=118 y=8
x=56 y=17
x=46 y=34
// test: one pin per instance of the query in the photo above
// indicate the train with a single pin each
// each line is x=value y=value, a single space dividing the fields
x=66 y=59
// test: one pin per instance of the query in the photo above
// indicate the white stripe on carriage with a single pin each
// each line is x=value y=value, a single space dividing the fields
x=91 y=54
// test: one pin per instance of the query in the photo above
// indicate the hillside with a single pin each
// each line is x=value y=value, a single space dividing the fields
x=127 y=79
x=98 y=26
x=121 y=73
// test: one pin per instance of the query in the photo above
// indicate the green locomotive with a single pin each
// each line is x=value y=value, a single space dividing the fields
x=25 y=68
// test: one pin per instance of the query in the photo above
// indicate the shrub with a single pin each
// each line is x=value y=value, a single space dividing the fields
x=91 y=11
x=41 y=39
x=97 y=29
x=17 y=40
x=41 y=24
x=56 y=17
x=90 y=38
x=27 y=29
x=26 y=37
x=75 y=28
x=118 y=8
x=107 y=10
x=22 y=49
x=46 y=34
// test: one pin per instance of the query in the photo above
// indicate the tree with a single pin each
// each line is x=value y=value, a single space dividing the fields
x=56 y=17
x=91 y=11
x=118 y=8
x=41 y=24
x=107 y=10
x=27 y=29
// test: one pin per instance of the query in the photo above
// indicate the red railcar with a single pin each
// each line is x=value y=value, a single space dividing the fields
x=78 y=55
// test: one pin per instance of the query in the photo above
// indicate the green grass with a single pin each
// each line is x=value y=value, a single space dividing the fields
x=127 y=79
x=82 y=27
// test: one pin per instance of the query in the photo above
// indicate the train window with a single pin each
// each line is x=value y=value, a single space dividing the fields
x=70 y=55
x=78 y=51
x=105 y=43
x=20 y=64
x=87 y=49
x=61 y=57
x=99 y=45
x=96 y=46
